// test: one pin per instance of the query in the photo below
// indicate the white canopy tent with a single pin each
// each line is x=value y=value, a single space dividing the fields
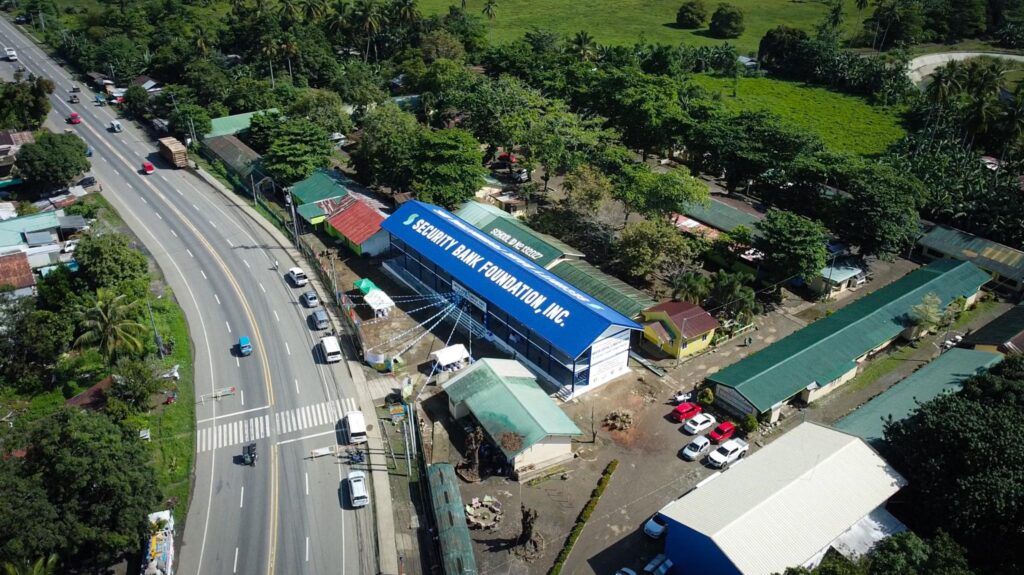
x=451 y=358
x=379 y=302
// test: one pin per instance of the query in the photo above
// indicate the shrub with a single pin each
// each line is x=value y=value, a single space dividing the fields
x=749 y=423
x=706 y=396
x=726 y=22
x=581 y=520
x=691 y=14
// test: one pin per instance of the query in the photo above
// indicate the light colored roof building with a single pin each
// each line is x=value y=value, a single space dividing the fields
x=945 y=374
x=827 y=349
x=505 y=397
x=231 y=125
x=15 y=231
x=997 y=259
x=782 y=507
x=722 y=216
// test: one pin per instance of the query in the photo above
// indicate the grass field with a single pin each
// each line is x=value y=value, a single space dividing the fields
x=844 y=123
x=626 y=21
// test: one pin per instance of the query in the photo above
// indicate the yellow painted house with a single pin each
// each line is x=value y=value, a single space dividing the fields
x=679 y=328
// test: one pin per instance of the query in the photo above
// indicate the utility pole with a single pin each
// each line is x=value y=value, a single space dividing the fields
x=295 y=222
x=272 y=83
x=156 y=335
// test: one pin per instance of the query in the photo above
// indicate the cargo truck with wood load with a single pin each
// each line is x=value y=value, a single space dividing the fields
x=174 y=151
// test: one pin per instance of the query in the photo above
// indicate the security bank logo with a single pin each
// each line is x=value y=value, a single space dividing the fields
x=409 y=220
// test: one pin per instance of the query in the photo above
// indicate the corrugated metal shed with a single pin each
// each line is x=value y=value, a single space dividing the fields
x=542 y=249
x=828 y=347
x=320 y=185
x=357 y=222
x=986 y=254
x=785 y=503
x=238 y=157
x=722 y=216
x=12 y=231
x=231 y=125
x=505 y=397
x=606 y=289
x=945 y=374
x=453 y=534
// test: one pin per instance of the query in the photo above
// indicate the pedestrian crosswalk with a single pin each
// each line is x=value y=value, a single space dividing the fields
x=286 y=421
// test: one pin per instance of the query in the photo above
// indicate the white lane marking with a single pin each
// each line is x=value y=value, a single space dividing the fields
x=172 y=232
x=196 y=207
x=164 y=178
x=286 y=441
x=230 y=243
x=116 y=172
x=211 y=223
x=241 y=498
x=263 y=288
x=143 y=200
x=296 y=387
x=204 y=274
x=277 y=317
x=158 y=215
x=234 y=569
x=307 y=538
x=307 y=484
x=189 y=253
x=246 y=264
x=232 y=414
x=241 y=395
x=286 y=348
x=238 y=363
x=229 y=326
x=179 y=192
x=216 y=297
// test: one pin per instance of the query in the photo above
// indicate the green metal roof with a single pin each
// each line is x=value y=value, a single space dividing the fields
x=722 y=216
x=539 y=248
x=231 y=125
x=504 y=397
x=945 y=374
x=608 y=290
x=314 y=210
x=321 y=185
x=453 y=534
x=985 y=254
x=826 y=348
x=12 y=231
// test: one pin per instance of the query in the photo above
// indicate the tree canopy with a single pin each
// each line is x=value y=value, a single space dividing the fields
x=448 y=167
x=793 y=246
x=53 y=160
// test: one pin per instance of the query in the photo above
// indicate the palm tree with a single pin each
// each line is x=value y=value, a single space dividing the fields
x=690 y=287
x=583 y=45
x=108 y=324
x=371 y=20
x=406 y=12
x=490 y=9
x=289 y=10
x=42 y=566
x=339 y=19
x=313 y=10
x=945 y=83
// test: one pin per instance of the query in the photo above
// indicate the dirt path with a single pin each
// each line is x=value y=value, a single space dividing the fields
x=923 y=66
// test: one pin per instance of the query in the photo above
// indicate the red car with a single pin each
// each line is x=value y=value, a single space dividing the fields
x=685 y=411
x=147 y=168
x=724 y=431
x=74 y=118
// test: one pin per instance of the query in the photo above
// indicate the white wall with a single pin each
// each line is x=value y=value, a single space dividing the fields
x=376 y=245
x=543 y=454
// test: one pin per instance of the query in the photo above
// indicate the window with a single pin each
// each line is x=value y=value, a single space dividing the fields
x=705 y=336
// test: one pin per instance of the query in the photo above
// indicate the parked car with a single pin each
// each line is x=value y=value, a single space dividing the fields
x=88 y=151
x=310 y=299
x=699 y=447
x=320 y=319
x=74 y=118
x=298 y=277
x=725 y=430
x=244 y=346
x=87 y=182
x=69 y=246
x=21 y=19
x=699 y=423
x=685 y=411
x=655 y=526
x=520 y=175
x=728 y=453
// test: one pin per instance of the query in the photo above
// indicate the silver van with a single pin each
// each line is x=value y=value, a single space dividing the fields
x=320 y=320
x=357 y=493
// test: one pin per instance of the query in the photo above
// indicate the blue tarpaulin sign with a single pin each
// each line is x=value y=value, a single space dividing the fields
x=568 y=318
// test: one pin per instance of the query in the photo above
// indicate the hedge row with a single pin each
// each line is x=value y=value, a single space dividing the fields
x=584 y=515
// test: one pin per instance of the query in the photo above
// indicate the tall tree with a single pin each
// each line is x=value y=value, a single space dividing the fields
x=298 y=149
x=109 y=260
x=793 y=246
x=586 y=189
x=692 y=287
x=110 y=324
x=646 y=247
x=448 y=167
x=726 y=22
x=490 y=9
x=386 y=152
x=880 y=213
x=53 y=160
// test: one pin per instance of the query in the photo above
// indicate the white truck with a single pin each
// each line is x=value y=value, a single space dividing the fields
x=355 y=427
x=728 y=453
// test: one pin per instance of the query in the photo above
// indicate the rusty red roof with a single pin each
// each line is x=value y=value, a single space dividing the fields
x=15 y=271
x=358 y=222
x=691 y=319
x=94 y=398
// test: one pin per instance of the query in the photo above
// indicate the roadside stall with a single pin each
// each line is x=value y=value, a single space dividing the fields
x=379 y=302
x=451 y=358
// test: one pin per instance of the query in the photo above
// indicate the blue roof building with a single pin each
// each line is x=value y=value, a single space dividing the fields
x=565 y=335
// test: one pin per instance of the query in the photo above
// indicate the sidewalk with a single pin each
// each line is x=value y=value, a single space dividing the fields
x=387 y=554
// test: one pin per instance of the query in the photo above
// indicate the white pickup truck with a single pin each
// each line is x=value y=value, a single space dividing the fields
x=728 y=453
x=12 y=56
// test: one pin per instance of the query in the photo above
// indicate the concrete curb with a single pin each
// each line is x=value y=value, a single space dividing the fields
x=387 y=556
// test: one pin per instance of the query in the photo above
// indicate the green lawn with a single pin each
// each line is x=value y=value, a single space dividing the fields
x=844 y=123
x=626 y=21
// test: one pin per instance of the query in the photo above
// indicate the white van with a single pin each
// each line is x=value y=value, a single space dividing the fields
x=357 y=493
x=331 y=349
x=355 y=427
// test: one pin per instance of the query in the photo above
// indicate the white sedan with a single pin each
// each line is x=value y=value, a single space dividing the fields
x=700 y=422
x=298 y=277
x=699 y=447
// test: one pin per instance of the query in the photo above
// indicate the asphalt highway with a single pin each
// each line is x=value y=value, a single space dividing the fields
x=289 y=513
